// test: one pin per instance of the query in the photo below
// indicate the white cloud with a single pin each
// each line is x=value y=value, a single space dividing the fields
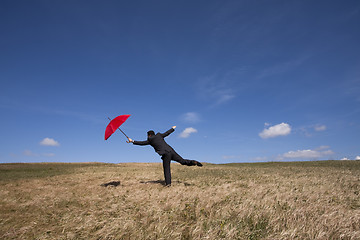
x=319 y=128
x=357 y=158
x=49 y=142
x=191 y=117
x=186 y=133
x=29 y=153
x=309 y=130
x=281 y=129
x=345 y=158
x=307 y=154
x=322 y=148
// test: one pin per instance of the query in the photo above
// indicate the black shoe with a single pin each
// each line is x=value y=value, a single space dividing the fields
x=197 y=163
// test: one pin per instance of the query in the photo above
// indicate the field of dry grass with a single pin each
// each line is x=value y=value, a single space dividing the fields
x=302 y=200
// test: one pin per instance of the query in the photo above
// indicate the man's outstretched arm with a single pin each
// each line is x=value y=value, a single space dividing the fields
x=167 y=133
x=138 y=142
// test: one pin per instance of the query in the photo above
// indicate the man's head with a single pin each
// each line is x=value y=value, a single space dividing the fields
x=150 y=133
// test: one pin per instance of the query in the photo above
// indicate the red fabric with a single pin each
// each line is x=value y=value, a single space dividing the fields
x=115 y=124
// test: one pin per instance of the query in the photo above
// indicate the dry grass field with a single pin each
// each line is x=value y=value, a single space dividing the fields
x=300 y=200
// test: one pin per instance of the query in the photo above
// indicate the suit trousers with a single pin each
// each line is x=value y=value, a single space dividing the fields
x=167 y=157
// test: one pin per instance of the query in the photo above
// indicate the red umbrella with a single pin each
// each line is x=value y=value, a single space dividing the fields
x=115 y=124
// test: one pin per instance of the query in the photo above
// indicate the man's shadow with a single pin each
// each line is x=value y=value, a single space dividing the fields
x=162 y=182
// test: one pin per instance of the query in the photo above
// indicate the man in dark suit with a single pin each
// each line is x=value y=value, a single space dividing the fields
x=166 y=152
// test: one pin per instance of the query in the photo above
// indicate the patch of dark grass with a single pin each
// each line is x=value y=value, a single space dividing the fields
x=15 y=171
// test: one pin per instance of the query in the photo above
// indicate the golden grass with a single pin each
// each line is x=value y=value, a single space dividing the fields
x=307 y=200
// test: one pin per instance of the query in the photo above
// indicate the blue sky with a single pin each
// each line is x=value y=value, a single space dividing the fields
x=243 y=81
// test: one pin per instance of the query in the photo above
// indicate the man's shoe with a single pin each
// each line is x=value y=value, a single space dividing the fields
x=197 y=163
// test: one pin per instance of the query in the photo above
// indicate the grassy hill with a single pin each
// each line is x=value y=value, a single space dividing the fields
x=298 y=200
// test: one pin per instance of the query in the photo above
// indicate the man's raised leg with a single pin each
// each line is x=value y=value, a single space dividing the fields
x=176 y=157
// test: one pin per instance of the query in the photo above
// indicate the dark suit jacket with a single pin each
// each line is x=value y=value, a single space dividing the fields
x=157 y=142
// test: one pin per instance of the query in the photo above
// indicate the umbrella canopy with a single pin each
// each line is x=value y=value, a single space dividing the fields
x=115 y=124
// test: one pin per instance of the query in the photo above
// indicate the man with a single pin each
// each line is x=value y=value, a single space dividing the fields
x=166 y=152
